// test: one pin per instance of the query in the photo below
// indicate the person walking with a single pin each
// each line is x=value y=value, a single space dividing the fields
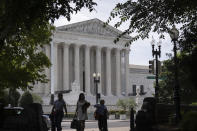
x=81 y=111
x=58 y=113
x=102 y=113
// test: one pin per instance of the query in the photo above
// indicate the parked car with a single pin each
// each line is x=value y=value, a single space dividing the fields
x=30 y=118
x=13 y=110
x=47 y=121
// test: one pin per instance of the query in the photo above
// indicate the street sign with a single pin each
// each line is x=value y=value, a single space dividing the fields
x=150 y=77
x=153 y=77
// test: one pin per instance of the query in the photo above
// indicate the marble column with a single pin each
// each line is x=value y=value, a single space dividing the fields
x=54 y=66
x=127 y=70
x=77 y=64
x=118 y=84
x=66 y=67
x=98 y=66
x=47 y=71
x=87 y=70
x=108 y=70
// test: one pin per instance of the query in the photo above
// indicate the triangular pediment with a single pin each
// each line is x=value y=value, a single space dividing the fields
x=94 y=27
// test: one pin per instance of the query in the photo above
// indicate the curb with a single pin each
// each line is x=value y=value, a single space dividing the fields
x=96 y=120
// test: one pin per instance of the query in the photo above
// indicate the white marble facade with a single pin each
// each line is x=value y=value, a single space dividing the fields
x=80 y=49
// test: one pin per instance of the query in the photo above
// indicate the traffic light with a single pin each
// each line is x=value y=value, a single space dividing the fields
x=159 y=67
x=151 y=66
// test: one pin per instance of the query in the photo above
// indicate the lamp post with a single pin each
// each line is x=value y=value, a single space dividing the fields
x=174 y=34
x=156 y=53
x=96 y=77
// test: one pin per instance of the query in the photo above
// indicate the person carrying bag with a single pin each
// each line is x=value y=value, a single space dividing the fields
x=74 y=123
x=78 y=121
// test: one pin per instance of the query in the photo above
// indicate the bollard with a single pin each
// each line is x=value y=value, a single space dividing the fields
x=132 y=120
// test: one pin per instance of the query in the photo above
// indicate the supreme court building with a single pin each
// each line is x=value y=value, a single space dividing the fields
x=77 y=51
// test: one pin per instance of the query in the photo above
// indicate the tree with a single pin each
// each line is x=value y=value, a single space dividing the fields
x=23 y=14
x=145 y=16
x=188 y=92
x=24 y=29
x=21 y=61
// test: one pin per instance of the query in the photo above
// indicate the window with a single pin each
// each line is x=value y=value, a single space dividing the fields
x=142 y=90
x=134 y=90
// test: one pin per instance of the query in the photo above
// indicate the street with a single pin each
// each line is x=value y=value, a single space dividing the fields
x=113 y=125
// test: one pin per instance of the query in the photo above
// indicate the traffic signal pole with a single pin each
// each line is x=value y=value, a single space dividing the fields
x=156 y=80
x=156 y=53
x=151 y=66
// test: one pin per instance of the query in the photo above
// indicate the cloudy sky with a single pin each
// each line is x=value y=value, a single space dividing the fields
x=141 y=51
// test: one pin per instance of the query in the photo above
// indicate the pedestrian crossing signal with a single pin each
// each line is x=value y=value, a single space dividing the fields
x=151 y=66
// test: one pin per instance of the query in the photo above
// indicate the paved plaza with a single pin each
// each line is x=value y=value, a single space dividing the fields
x=113 y=125
x=109 y=129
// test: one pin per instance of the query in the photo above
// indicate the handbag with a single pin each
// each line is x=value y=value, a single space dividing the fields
x=74 y=124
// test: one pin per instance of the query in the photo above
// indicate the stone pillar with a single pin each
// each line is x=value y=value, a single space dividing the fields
x=77 y=64
x=98 y=66
x=54 y=66
x=127 y=70
x=47 y=71
x=87 y=70
x=108 y=69
x=66 y=67
x=118 y=84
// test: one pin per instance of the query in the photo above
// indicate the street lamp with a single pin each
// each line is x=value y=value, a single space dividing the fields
x=156 y=53
x=174 y=34
x=96 y=77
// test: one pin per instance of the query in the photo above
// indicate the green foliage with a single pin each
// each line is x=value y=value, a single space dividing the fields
x=70 y=115
x=188 y=92
x=9 y=97
x=145 y=16
x=126 y=104
x=13 y=18
x=4 y=97
x=189 y=122
x=23 y=32
x=21 y=61
x=26 y=99
x=112 y=112
x=36 y=98
x=122 y=112
x=194 y=104
x=14 y=96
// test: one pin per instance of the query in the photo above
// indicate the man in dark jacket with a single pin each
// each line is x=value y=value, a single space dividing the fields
x=102 y=112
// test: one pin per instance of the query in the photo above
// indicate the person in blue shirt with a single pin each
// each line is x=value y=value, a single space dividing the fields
x=58 y=112
x=102 y=114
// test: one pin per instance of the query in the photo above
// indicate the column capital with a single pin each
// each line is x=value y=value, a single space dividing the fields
x=127 y=51
x=98 y=47
x=108 y=48
x=118 y=49
x=66 y=45
x=87 y=47
x=55 y=44
x=77 y=46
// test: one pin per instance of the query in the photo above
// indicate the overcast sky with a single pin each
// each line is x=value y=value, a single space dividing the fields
x=141 y=50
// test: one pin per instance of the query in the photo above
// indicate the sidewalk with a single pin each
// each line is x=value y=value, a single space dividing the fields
x=88 y=121
x=109 y=129
x=96 y=129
